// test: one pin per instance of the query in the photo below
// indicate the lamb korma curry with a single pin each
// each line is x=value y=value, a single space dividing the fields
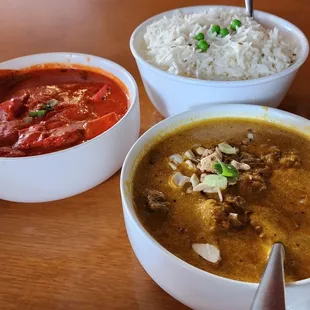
x=219 y=193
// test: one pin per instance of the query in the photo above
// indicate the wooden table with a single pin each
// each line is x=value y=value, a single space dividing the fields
x=74 y=253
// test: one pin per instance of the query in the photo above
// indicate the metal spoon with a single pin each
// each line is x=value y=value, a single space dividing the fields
x=270 y=294
x=249 y=7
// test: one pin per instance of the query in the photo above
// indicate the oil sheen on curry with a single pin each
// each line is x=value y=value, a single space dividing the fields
x=48 y=109
x=218 y=194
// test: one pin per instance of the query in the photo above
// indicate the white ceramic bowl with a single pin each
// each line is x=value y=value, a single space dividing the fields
x=172 y=94
x=74 y=170
x=193 y=287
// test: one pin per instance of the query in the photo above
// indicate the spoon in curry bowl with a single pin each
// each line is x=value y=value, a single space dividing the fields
x=270 y=294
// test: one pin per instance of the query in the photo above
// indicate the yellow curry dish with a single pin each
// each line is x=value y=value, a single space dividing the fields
x=218 y=194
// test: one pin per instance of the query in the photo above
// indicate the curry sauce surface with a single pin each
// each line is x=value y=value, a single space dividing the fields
x=284 y=208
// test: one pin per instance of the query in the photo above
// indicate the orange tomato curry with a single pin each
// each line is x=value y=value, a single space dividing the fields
x=44 y=110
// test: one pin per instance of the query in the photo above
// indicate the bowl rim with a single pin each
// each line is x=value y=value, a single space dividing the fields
x=133 y=101
x=178 y=78
x=126 y=177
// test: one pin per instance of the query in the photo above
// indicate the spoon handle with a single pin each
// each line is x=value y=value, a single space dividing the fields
x=270 y=294
x=249 y=7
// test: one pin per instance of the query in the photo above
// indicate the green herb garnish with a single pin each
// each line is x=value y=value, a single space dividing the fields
x=217 y=181
x=50 y=105
x=44 y=109
x=38 y=113
x=225 y=170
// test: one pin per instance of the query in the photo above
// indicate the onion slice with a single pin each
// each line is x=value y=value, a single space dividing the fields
x=217 y=181
x=227 y=149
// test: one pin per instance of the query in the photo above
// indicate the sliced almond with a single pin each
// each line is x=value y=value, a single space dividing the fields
x=219 y=153
x=207 y=152
x=219 y=192
x=194 y=180
x=233 y=215
x=202 y=177
x=176 y=159
x=179 y=179
x=200 y=150
x=190 y=155
x=173 y=166
x=190 y=165
x=189 y=190
x=206 y=164
x=205 y=188
x=207 y=251
x=240 y=166
x=250 y=135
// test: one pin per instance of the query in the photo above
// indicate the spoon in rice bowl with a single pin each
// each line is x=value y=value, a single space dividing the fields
x=249 y=7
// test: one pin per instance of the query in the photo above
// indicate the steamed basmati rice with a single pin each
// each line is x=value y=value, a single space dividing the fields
x=250 y=52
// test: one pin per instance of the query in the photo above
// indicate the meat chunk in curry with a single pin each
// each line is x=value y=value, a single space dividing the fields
x=156 y=201
x=219 y=193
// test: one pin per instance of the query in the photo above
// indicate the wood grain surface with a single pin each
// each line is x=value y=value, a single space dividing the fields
x=74 y=253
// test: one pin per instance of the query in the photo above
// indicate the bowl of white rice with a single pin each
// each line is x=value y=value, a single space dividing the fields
x=242 y=59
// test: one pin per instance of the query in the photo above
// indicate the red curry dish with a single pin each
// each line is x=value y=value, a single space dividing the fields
x=44 y=110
